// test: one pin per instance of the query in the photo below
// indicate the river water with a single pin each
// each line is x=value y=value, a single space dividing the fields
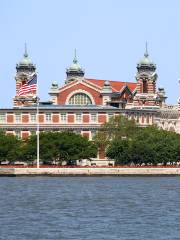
x=90 y=208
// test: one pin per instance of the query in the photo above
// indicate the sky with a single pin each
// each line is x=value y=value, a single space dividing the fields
x=109 y=36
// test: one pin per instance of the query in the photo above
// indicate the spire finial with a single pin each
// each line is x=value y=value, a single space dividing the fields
x=75 y=57
x=25 y=50
x=146 y=50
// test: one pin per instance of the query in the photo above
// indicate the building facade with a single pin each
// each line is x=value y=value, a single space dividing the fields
x=82 y=105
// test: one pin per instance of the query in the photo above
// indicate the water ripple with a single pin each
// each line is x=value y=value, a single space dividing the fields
x=90 y=208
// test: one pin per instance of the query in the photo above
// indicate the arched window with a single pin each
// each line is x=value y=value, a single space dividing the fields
x=80 y=99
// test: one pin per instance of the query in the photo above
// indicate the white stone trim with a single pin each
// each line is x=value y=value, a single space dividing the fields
x=88 y=82
x=89 y=86
x=61 y=89
x=90 y=135
x=5 y=115
x=10 y=131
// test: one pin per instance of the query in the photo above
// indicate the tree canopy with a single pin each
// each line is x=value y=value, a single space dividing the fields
x=55 y=147
x=128 y=144
x=9 y=148
x=122 y=139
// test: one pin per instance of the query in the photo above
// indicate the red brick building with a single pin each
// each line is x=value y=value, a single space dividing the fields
x=82 y=104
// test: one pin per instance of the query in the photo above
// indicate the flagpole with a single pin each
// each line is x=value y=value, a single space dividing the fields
x=37 y=132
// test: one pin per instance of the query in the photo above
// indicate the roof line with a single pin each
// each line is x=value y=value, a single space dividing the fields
x=109 y=80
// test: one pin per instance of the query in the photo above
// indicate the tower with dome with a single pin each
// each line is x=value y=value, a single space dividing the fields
x=24 y=71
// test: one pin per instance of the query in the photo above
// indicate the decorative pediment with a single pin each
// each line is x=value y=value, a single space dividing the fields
x=125 y=89
x=80 y=82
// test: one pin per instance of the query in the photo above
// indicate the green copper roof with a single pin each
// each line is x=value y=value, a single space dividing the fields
x=146 y=60
x=75 y=66
x=26 y=60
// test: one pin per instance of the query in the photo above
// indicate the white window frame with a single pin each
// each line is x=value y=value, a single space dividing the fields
x=18 y=118
x=18 y=134
x=48 y=117
x=63 y=117
x=33 y=120
x=78 y=117
x=94 y=120
x=93 y=134
x=3 y=119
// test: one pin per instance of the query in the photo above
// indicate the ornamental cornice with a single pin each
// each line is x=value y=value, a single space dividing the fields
x=55 y=128
x=147 y=76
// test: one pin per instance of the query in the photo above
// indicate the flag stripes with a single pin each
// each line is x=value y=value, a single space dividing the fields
x=28 y=87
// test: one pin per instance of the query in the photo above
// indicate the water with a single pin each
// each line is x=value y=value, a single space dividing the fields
x=90 y=208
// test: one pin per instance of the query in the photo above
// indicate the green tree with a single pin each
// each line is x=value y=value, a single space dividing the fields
x=119 y=150
x=56 y=147
x=9 y=148
x=119 y=127
x=132 y=144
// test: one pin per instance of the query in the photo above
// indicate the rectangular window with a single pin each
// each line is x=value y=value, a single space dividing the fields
x=63 y=117
x=18 y=118
x=48 y=117
x=78 y=117
x=2 y=118
x=18 y=134
x=33 y=117
x=110 y=116
x=93 y=117
x=93 y=134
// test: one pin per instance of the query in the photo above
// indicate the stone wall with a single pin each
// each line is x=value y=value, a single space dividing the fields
x=88 y=171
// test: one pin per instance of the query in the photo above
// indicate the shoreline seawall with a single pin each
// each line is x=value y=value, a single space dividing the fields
x=90 y=171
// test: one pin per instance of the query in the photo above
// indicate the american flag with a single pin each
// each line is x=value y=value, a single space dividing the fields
x=30 y=86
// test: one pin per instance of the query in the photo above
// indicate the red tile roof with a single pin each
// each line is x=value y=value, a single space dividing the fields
x=68 y=84
x=116 y=86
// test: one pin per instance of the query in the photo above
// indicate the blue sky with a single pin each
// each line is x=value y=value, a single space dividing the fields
x=109 y=35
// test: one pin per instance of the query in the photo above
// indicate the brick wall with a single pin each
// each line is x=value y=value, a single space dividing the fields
x=86 y=118
x=55 y=118
x=80 y=87
x=10 y=118
x=70 y=118
x=102 y=117
x=25 y=134
x=25 y=118
x=86 y=135
x=41 y=118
